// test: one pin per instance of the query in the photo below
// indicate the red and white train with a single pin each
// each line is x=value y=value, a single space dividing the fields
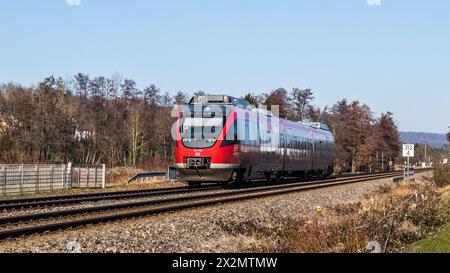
x=222 y=139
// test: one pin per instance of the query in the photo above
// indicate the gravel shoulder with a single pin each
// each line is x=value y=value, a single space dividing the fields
x=222 y=228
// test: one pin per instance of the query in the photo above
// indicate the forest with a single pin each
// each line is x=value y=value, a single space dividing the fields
x=109 y=120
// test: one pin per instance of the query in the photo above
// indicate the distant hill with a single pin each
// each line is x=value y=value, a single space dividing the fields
x=432 y=139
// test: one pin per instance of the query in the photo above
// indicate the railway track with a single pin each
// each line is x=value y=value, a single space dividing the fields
x=59 y=200
x=28 y=224
x=49 y=201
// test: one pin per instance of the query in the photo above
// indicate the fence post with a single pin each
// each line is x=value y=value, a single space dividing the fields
x=79 y=176
x=4 y=181
x=51 y=178
x=63 y=176
x=95 y=173
x=21 y=179
x=87 y=176
x=103 y=176
x=69 y=176
x=36 y=174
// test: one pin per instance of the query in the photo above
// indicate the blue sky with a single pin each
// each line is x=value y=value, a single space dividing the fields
x=393 y=56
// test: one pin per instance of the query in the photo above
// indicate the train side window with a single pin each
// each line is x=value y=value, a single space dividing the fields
x=253 y=133
x=247 y=129
x=291 y=140
x=303 y=146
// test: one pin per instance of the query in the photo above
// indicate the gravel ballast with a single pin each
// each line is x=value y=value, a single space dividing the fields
x=210 y=229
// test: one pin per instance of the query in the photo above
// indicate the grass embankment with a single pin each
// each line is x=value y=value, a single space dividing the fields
x=438 y=242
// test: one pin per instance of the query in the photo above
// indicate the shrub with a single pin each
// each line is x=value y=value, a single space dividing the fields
x=442 y=175
x=390 y=221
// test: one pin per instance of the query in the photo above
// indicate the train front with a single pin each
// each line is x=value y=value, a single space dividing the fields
x=207 y=148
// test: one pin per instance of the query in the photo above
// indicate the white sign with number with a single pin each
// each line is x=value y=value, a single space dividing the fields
x=408 y=150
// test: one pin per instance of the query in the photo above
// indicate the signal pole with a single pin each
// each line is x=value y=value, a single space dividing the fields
x=425 y=153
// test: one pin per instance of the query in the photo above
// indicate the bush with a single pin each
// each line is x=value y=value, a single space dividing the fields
x=393 y=223
x=442 y=175
x=387 y=222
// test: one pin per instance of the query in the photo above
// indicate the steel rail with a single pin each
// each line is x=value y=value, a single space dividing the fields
x=47 y=201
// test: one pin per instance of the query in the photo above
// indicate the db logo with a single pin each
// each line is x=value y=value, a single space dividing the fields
x=198 y=154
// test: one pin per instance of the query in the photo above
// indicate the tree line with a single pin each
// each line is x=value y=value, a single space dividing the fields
x=363 y=142
x=110 y=120
x=87 y=120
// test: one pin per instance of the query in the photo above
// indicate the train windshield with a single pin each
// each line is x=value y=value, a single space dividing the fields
x=202 y=127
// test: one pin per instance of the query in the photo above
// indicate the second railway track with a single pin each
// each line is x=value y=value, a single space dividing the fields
x=28 y=224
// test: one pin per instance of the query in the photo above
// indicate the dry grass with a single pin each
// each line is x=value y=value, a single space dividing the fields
x=120 y=176
x=390 y=220
x=442 y=175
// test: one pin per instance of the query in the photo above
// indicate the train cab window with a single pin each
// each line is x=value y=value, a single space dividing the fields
x=231 y=137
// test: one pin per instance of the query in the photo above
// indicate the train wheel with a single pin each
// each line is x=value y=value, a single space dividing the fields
x=238 y=176
x=279 y=178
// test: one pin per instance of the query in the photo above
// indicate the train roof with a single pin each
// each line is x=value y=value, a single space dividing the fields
x=244 y=104
x=219 y=99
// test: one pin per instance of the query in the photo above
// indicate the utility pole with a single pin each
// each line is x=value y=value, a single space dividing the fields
x=382 y=162
x=425 y=153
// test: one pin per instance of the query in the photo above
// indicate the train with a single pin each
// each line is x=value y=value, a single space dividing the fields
x=222 y=139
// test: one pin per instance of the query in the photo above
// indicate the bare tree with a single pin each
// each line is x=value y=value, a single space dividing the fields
x=301 y=100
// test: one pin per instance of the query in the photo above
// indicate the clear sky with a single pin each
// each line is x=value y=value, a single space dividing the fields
x=391 y=54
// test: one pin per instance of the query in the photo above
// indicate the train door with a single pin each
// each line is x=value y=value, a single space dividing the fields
x=283 y=144
x=289 y=150
x=262 y=125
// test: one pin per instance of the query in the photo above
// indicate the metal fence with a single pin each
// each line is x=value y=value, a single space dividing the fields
x=88 y=176
x=31 y=179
